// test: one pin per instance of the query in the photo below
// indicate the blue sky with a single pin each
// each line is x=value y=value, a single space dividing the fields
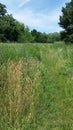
x=42 y=15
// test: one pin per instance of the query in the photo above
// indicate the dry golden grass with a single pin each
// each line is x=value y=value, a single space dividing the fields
x=22 y=89
x=14 y=79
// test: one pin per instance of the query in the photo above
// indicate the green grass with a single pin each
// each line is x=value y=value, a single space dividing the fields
x=36 y=87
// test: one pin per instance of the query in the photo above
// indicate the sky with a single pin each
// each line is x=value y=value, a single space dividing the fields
x=42 y=15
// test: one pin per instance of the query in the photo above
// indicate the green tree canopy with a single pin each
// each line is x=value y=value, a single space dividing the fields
x=11 y=30
x=66 y=22
x=39 y=37
x=3 y=10
x=53 y=37
x=8 y=29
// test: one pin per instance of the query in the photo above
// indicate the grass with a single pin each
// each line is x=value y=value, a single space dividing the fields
x=36 y=87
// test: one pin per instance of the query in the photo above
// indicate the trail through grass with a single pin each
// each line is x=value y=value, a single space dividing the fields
x=36 y=87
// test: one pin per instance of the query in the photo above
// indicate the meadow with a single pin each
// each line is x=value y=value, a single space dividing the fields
x=36 y=87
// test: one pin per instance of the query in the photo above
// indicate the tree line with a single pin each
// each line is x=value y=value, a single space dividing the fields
x=12 y=30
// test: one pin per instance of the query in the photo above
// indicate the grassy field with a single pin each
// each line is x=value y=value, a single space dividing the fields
x=36 y=87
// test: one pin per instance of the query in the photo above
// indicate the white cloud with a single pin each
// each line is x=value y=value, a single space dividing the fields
x=40 y=21
x=23 y=2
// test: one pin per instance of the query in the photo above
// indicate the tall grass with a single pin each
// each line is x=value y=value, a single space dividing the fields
x=36 y=87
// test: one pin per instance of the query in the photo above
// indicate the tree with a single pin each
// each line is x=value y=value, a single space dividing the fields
x=8 y=30
x=11 y=30
x=39 y=37
x=66 y=22
x=3 y=10
x=53 y=37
